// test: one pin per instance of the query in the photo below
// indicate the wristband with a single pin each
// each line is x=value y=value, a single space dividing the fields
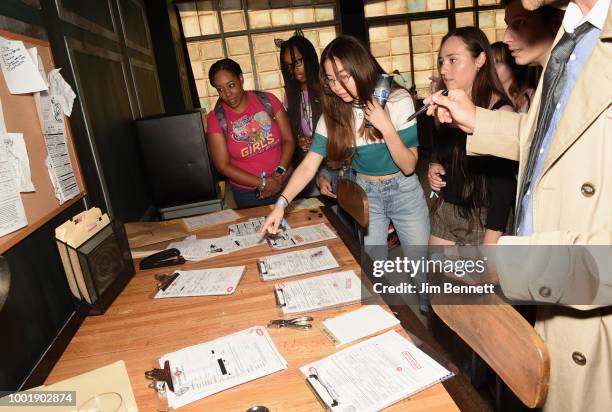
x=282 y=201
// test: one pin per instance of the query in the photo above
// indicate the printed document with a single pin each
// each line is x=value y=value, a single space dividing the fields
x=249 y=227
x=358 y=324
x=203 y=370
x=197 y=222
x=373 y=374
x=20 y=71
x=301 y=236
x=15 y=147
x=319 y=292
x=204 y=282
x=195 y=249
x=12 y=213
x=296 y=263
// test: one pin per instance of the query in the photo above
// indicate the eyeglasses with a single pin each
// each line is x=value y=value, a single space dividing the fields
x=343 y=79
x=296 y=63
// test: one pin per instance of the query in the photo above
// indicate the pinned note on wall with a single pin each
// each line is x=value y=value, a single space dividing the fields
x=20 y=71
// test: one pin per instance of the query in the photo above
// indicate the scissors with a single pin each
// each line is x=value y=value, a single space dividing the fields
x=297 y=323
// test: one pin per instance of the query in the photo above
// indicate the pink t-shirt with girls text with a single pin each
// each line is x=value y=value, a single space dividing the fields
x=253 y=138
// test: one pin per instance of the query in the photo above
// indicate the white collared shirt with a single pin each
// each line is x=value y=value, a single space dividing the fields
x=596 y=16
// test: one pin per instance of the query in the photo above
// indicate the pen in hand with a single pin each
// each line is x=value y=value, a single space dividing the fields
x=424 y=108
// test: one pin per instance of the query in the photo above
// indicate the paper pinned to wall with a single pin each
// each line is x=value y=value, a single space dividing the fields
x=61 y=91
x=20 y=71
x=16 y=152
x=12 y=213
x=2 y=124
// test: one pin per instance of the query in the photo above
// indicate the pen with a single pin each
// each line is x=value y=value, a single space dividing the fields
x=423 y=108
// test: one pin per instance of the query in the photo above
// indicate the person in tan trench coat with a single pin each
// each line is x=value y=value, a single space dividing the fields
x=572 y=204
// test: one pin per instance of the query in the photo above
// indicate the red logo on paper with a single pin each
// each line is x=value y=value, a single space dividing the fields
x=178 y=373
x=348 y=283
x=413 y=362
x=335 y=285
x=259 y=332
x=299 y=238
x=313 y=371
x=229 y=289
x=399 y=369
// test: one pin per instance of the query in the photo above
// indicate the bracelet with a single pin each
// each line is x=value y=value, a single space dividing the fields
x=284 y=197
x=282 y=201
x=263 y=182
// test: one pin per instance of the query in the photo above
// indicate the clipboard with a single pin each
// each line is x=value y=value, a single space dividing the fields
x=434 y=372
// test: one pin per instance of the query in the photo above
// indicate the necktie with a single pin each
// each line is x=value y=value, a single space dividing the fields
x=554 y=81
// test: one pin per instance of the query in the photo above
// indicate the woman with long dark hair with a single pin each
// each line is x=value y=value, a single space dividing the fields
x=477 y=193
x=384 y=156
x=513 y=77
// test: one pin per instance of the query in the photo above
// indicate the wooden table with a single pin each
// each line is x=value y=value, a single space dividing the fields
x=139 y=330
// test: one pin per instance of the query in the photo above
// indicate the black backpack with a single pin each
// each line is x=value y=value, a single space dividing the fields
x=222 y=118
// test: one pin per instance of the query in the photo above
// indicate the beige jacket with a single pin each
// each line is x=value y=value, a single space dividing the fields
x=572 y=205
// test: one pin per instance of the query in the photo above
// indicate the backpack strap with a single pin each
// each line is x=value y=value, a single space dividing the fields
x=221 y=117
x=265 y=101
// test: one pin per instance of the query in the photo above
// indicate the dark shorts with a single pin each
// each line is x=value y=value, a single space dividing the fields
x=447 y=223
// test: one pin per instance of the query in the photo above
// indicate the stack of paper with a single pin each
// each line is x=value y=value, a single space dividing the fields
x=373 y=374
x=319 y=292
x=197 y=222
x=203 y=282
x=358 y=324
x=296 y=263
x=301 y=236
x=202 y=370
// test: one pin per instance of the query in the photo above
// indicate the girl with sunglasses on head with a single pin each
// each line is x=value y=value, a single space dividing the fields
x=249 y=137
x=384 y=157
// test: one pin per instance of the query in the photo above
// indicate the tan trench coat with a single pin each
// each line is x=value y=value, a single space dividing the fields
x=572 y=205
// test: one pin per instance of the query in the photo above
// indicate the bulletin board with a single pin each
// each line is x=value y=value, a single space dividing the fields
x=21 y=116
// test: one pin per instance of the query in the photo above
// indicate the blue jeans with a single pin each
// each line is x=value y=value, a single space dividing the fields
x=248 y=198
x=401 y=201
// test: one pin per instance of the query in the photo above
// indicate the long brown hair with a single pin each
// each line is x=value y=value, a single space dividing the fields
x=486 y=85
x=359 y=63
x=520 y=74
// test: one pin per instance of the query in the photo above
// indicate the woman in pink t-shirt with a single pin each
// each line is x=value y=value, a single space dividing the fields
x=251 y=144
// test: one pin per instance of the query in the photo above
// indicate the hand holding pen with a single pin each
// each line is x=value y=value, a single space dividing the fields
x=424 y=108
x=453 y=107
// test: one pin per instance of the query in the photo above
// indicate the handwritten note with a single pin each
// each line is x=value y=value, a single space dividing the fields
x=20 y=71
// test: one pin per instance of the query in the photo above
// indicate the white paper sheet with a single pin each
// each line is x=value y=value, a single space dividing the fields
x=374 y=374
x=17 y=154
x=204 y=282
x=203 y=370
x=195 y=249
x=359 y=324
x=12 y=213
x=302 y=236
x=296 y=263
x=61 y=167
x=62 y=91
x=319 y=292
x=19 y=70
x=250 y=227
x=196 y=222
